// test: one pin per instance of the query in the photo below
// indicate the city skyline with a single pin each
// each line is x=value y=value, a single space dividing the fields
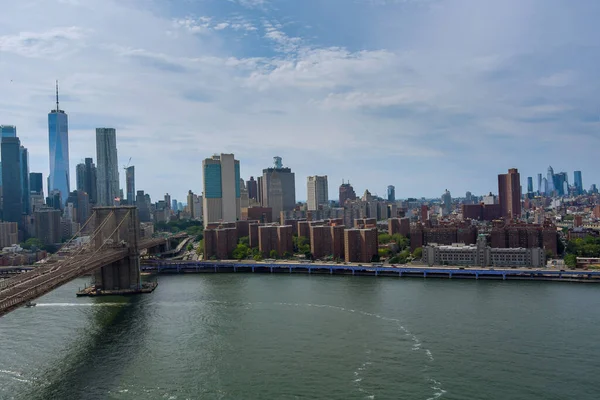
x=272 y=75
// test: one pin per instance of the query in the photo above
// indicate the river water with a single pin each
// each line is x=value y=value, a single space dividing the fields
x=252 y=336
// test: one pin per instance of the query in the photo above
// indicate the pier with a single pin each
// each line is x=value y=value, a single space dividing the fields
x=180 y=267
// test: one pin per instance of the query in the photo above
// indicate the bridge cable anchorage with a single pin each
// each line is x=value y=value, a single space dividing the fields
x=31 y=292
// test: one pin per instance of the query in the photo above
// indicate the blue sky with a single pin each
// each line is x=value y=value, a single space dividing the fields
x=426 y=95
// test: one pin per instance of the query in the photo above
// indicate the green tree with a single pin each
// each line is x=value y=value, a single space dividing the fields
x=402 y=241
x=273 y=254
x=245 y=240
x=200 y=248
x=384 y=238
x=257 y=257
x=190 y=247
x=418 y=253
x=571 y=260
x=287 y=255
x=241 y=252
x=384 y=253
x=32 y=244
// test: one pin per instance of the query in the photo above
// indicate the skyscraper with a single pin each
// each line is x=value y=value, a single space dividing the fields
x=108 y=168
x=561 y=182
x=529 y=184
x=346 y=192
x=6 y=131
x=550 y=179
x=130 y=184
x=36 y=183
x=578 y=182
x=317 y=191
x=221 y=200
x=252 y=188
x=87 y=179
x=12 y=197
x=25 y=191
x=58 y=138
x=509 y=193
x=541 y=189
x=447 y=202
x=391 y=193
x=278 y=188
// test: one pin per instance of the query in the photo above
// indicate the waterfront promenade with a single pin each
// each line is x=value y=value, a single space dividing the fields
x=402 y=271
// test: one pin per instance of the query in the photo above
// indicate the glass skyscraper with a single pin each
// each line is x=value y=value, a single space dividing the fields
x=391 y=193
x=578 y=182
x=11 y=179
x=25 y=190
x=58 y=138
x=107 y=169
x=130 y=184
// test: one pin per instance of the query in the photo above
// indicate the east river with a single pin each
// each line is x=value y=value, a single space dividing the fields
x=247 y=336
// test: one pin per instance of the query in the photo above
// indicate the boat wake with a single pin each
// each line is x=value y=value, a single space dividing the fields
x=81 y=304
x=14 y=375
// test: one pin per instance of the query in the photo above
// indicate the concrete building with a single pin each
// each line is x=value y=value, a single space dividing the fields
x=221 y=201
x=483 y=255
x=391 y=193
x=509 y=193
x=25 y=189
x=58 y=139
x=108 y=166
x=317 y=192
x=278 y=188
x=252 y=187
x=9 y=234
x=48 y=225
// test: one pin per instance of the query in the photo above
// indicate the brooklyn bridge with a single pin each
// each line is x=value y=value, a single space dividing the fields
x=110 y=252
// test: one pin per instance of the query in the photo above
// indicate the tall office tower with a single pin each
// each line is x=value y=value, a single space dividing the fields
x=447 y=202
x=8 y=131
x=545 y=186
x=168 y=200
x=317 y=191
x=391 y=193
x=36 y=183
x=539 y=186
x=81 y=205
x=221 y=200
x=12 y=197
x=87 y=179
x=278 y=188
x=346 y=193
x=174 y=205
x=190 y=204
x=58 y=138
x=509 y=193
x=252 y=188
x=130 y=184
x=560 y=182
x=529 y=184
x=468 y=198
x=550 y=179
x=108 y=168
x=25 y=190
x=578 y=182
x=142 y=202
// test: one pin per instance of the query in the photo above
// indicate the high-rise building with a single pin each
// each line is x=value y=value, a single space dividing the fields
x=108 y=168
x=391 y=193
x=561 y=183
x=36 y=183
x=545 y=186
x=317 y=191
x=529 y=184
x=143 y=204
x=9 y=234
x=12 y=197
x=221 y=189
x=25 y=190
x=541 y=189
x=58 y=138
x=87 y=181
x=578 y=182
x=550 y=179
x=278 y=188
x=130 y=184
x=174 y=205
x=447 y=202
x=346 y=193
x=509 y=193
x=8 y=131
x=47 y=225
x=252 y=189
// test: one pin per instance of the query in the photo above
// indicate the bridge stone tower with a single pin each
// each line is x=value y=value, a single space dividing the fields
x=121 y=229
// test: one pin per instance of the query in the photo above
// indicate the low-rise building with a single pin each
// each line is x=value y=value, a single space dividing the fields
x=482 y=255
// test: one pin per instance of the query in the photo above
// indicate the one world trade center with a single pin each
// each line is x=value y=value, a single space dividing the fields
x=58 y=136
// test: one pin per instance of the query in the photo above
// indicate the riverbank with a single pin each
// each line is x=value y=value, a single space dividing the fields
x=181 y=267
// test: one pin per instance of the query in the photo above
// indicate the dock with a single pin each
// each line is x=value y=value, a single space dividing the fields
x=91 y=291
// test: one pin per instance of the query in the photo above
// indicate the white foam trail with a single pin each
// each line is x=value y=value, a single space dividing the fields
x=15 y=375
x=81 y=304
x=437 y=386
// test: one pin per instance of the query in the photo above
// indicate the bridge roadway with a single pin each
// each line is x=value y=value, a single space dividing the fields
x=18 y=290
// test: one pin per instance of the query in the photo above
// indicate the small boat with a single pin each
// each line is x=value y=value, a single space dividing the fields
x=30 y=304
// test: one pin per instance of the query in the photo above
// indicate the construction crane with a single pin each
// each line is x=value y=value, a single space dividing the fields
x=128 y=163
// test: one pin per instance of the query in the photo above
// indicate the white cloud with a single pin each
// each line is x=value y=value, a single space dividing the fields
x=52 y=43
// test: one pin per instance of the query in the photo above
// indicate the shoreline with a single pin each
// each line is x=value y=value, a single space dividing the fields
x=449 y=273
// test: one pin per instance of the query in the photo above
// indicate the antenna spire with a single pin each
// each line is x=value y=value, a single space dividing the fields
x=57 y=96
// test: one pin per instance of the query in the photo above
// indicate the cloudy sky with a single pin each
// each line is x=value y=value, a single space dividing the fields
x=426 y=95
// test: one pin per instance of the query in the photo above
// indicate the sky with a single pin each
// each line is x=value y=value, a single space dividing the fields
x=425 y=95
